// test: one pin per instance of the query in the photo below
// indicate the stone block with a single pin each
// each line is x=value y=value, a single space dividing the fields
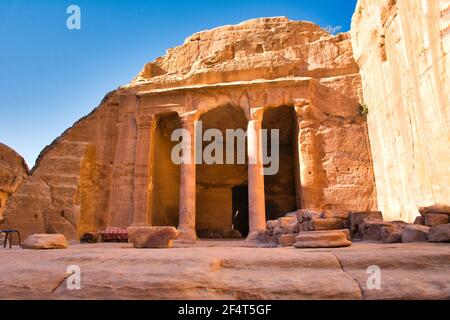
x=322 y=239
x=391 y=234
x=420 y=220
x=357 y=218
x=45 y=241
x=436 y=208
x=415 y=233
x=440 y=233
x=152 y=237
x=435 y=219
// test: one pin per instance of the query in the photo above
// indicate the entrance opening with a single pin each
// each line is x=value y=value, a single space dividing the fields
x=215 y=182
x=166 y=175
x=280 y=189
x=240 y=210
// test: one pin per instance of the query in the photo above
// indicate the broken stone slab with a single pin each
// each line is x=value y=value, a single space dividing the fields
x=152 y=237
x=415 y=233
x=440 y=233
x=357 y=218
x=435 y=219
x=435 y=208
x=45 y=241
x=322 y=239
x=287 y=240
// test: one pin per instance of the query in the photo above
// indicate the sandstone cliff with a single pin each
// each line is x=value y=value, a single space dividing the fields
x=93 y=174
x=402 y=48
x=13 y=171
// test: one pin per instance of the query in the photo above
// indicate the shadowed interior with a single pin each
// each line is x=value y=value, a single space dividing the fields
x=215 y=182
x=280 y=189
x=166 y=174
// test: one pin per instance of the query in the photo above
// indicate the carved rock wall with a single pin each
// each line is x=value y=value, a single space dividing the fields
x=402 y=49
x=90 y=178
x=13 y=171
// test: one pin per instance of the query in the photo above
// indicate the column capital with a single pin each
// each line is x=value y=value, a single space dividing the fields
x=257 y=114
x=189 y=117
x=147 y=121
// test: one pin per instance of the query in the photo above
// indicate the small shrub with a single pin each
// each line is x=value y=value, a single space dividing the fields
x=363 y=110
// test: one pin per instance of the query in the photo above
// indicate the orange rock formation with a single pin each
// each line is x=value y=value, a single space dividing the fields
x=402 y=47
x=13 y=171
x=113 y=167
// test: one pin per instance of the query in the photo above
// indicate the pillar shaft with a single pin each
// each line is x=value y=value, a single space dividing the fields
x=146 y=126
x=256 y=199
x=186 y=225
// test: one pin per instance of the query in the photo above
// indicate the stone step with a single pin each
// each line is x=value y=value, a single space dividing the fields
x=322 y=239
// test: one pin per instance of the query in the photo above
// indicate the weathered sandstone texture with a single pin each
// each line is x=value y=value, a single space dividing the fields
x=113 y=168
x=402 y=48
x=13 y=171
x=45 y=241
x=223 y=270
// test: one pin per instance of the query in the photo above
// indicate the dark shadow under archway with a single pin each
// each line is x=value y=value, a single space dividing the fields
x=165 y=174
x=217 y=197
x=280 y=189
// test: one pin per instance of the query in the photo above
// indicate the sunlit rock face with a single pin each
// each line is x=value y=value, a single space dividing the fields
x=113 y=168
x=402 y=49
x=13 y=171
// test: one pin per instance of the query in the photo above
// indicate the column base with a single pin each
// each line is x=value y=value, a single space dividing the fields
x=187 y=235
x=254 y=235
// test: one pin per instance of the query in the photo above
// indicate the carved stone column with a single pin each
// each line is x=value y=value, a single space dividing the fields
x=312 y=177
x=186 y=225
x=146 y=125
x=256 y=199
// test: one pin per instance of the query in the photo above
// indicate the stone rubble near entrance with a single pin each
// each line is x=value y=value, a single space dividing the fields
x=316 y=228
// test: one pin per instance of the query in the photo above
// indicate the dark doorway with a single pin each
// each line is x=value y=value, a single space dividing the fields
x=165 y=202
x=215 y=182
x=240 y=210
x=280 y=189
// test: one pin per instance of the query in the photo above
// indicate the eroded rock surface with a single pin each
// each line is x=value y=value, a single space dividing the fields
x=13 y=171
x=224 y=271
x=402 y=48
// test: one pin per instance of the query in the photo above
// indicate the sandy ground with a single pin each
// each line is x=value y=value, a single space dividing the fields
x=227 y=270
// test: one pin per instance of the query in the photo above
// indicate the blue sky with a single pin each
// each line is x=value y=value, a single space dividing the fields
x=51 y=76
